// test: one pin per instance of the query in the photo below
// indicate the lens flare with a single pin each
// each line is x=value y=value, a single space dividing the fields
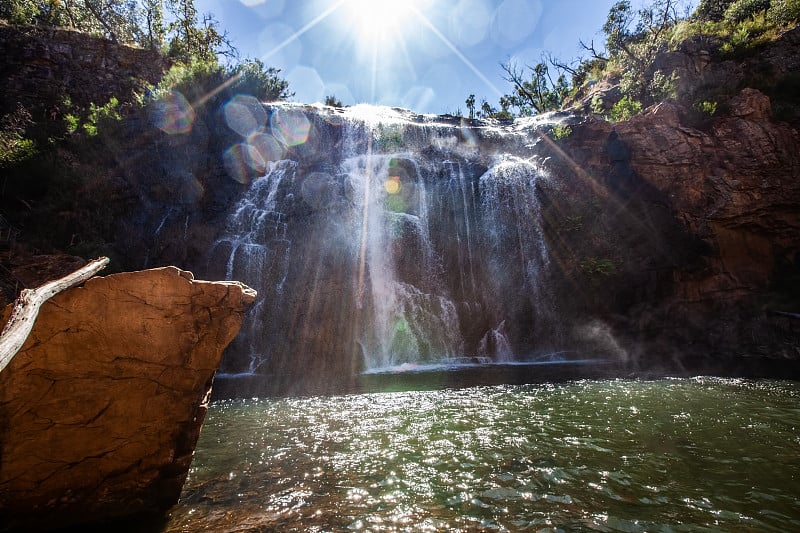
x=269 y=148
x=392 y=185
x=468 y=134
x=173 y=114
x=244 y=114
x=290 y=126
x=242 y=161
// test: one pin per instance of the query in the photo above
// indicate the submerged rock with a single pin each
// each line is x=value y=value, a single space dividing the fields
x=101 y=409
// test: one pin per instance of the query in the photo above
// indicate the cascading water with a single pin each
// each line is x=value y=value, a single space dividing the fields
x=411 y=317
x=258 y=253
x=381 y=239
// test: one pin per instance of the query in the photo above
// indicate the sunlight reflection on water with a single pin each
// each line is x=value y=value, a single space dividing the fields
x=672 y=455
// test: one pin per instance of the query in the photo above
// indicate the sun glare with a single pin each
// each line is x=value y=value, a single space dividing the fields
x=378 y=20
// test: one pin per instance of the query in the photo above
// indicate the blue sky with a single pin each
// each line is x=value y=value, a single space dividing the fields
x=424 y=55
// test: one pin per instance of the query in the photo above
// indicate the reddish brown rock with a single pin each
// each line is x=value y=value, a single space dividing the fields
x=702 y=226
x=101 y=409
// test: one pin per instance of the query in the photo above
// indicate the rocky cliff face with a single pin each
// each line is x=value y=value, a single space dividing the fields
x=702 y=227
x=101 y=409
x=43 y=66
x=669 y=239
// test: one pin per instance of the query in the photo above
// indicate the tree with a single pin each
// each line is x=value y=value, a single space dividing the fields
x=713 y=10
x=152 y=25
x=254 y=78
x=741 y=10
x=634 y=39
x=471 y=105
x=332 y=101
x=537 y=95
x=18 y=11
x=194 y=39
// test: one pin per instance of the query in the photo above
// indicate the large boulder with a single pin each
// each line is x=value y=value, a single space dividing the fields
x=101 y=409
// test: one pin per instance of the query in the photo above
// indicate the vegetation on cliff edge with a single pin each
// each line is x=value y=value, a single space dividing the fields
x=65 y=160
x=634 y=39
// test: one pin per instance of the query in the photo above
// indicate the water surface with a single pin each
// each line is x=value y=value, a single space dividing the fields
x=697 y=454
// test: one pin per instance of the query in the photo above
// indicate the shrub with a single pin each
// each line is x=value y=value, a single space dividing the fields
x=198 y=81
x=332 y=101
x=707 y=108
x=255 y=79
x=96 y=118
x=14 y=147
x=662 y=87
x=561 y=131
x=741 y=10
x=713 y=10
x=626 y=108
x=193 y=79
x=597 y=105
x=784 y=12
x=598 y=267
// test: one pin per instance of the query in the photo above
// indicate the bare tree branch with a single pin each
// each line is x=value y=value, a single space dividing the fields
x=27 y=306
x=592 y=50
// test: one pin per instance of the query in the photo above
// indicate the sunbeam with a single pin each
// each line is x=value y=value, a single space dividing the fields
x=453 y=48
x=296 y=35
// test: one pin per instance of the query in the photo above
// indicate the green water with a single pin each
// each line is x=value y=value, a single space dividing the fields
x=674 y=455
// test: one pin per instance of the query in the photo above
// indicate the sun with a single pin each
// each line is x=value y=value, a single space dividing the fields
x=379 y=21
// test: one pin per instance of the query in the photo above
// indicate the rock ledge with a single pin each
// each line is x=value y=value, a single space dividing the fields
x=101 y=409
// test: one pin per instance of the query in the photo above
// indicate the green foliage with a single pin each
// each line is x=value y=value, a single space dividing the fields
x=634 y=39
x=199 y=80
x=14 y=149
x=594 y=266
x=92 y=120
x=188 y=78
x=662 y=87
x=254 y=78
x=14 y=146
x=625 y=109
x=194 y=39
x=139 y=22
x=152 y=27
x=711 y=10
x=18 y=11
x=784 y=12
x=705 y=107
x=741 y=10
x=538 y=94
x=71 y=123
x=561 y=131
x=488 y=111
x=741 y=38
x=389 y=138
x=113 y=19
x=597 y=106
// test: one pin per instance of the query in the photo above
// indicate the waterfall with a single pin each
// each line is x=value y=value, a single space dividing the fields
x=258 y=252
x=381 y=239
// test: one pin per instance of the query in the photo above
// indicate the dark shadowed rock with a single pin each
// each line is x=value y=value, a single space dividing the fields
x=101 y=408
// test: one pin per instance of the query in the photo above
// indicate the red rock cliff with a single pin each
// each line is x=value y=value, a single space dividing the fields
x=101 y=409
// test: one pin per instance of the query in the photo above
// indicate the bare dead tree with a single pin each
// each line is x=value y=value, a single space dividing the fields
x=26 y=308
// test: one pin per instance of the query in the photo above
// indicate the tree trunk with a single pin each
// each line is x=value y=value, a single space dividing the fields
x=26 y=308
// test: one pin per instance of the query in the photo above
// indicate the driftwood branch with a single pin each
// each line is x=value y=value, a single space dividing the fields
x=26 y=308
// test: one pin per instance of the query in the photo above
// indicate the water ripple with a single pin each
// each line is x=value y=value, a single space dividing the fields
x=674 y=455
